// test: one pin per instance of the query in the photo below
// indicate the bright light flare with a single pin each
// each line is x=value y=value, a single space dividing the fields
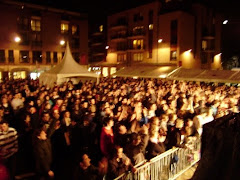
x=17 y=39
x=62 y=42
x=225 y=22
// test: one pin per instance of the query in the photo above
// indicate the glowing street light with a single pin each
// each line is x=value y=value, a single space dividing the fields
x=62 y=42
x=107 y=47
x=225 y=22
x=17 y=39
x=160 y=40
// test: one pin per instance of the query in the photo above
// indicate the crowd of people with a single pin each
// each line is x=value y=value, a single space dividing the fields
x=91 y=131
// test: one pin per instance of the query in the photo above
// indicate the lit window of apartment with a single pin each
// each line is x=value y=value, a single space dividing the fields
x=101 y=28
x=10 y=56
x=55 y=58
x=204 y=45
x=75 y=30
x=150 y=26
x=36 y=24
x=121 y=57
x=2 y=56
x=173 y=55
x=37 y=56
x=138 y=44
x=24 y=56
x=137 y=56
x=64 y=27
x=48 y=57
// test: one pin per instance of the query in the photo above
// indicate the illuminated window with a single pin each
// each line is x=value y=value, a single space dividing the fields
x=2 y=56
x=101 y=28
x=36 y=24
x=105 y=71
x=19 y=75
x=113 y=70
x=24 y=56
x=138 y=44
x=173 y=55
x=64 y=27
x=137 y=56
x=204 y=45
x=75 y=30
x=121 y=57
x=150 y=26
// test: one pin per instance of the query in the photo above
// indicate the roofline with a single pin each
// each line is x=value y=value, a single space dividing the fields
x=45 y=8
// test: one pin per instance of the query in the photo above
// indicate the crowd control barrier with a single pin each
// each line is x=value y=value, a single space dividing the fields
x=168 y=165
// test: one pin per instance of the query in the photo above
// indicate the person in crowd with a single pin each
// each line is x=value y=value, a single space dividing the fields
x=155 y=146
x=8 y=147
x=136 y=149
x=86 y=171
x=107 y=137
x=118 y=164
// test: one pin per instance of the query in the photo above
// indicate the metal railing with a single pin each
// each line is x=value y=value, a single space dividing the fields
x=168 y=165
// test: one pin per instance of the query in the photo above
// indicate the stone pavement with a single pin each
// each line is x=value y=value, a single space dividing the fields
x=188 y=174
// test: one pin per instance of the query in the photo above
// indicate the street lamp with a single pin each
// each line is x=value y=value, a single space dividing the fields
x=17 y=39
x=160 y=41
x=107 y=47
x=225 y=22
x=62 y=42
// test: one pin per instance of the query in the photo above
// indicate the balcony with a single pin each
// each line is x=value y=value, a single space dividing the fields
x=136 y=49
x=120 y=25
x=206 y=34
x=136 y=34
x=118 y=37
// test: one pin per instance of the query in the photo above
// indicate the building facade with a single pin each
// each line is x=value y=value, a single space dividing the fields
x=170 y=32
x=33 y=38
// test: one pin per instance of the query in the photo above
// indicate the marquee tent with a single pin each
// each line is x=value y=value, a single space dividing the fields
x=67 y=69
x=145 y=71
x=205 y=75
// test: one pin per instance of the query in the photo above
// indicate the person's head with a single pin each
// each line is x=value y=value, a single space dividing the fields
x=46 y=117
x=4 y=126
x=109 y=122
x=85 y=161
x=41 y=134
x=136 y=139
x=119 y=152
x=122 y=129
x=179 y=123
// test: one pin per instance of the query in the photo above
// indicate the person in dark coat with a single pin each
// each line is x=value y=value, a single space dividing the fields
x=119 y=164
x=155 y=145
x=85 y=170
x=136 y=150
x=43 y=155
x=43 y=152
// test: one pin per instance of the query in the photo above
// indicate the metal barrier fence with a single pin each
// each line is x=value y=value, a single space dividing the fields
x=168 y=165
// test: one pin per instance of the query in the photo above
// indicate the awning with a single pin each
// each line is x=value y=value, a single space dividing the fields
x=145 y=71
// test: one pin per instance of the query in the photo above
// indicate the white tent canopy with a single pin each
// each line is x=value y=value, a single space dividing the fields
x=204 y=75
x=145 y=71
x=67 y=69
